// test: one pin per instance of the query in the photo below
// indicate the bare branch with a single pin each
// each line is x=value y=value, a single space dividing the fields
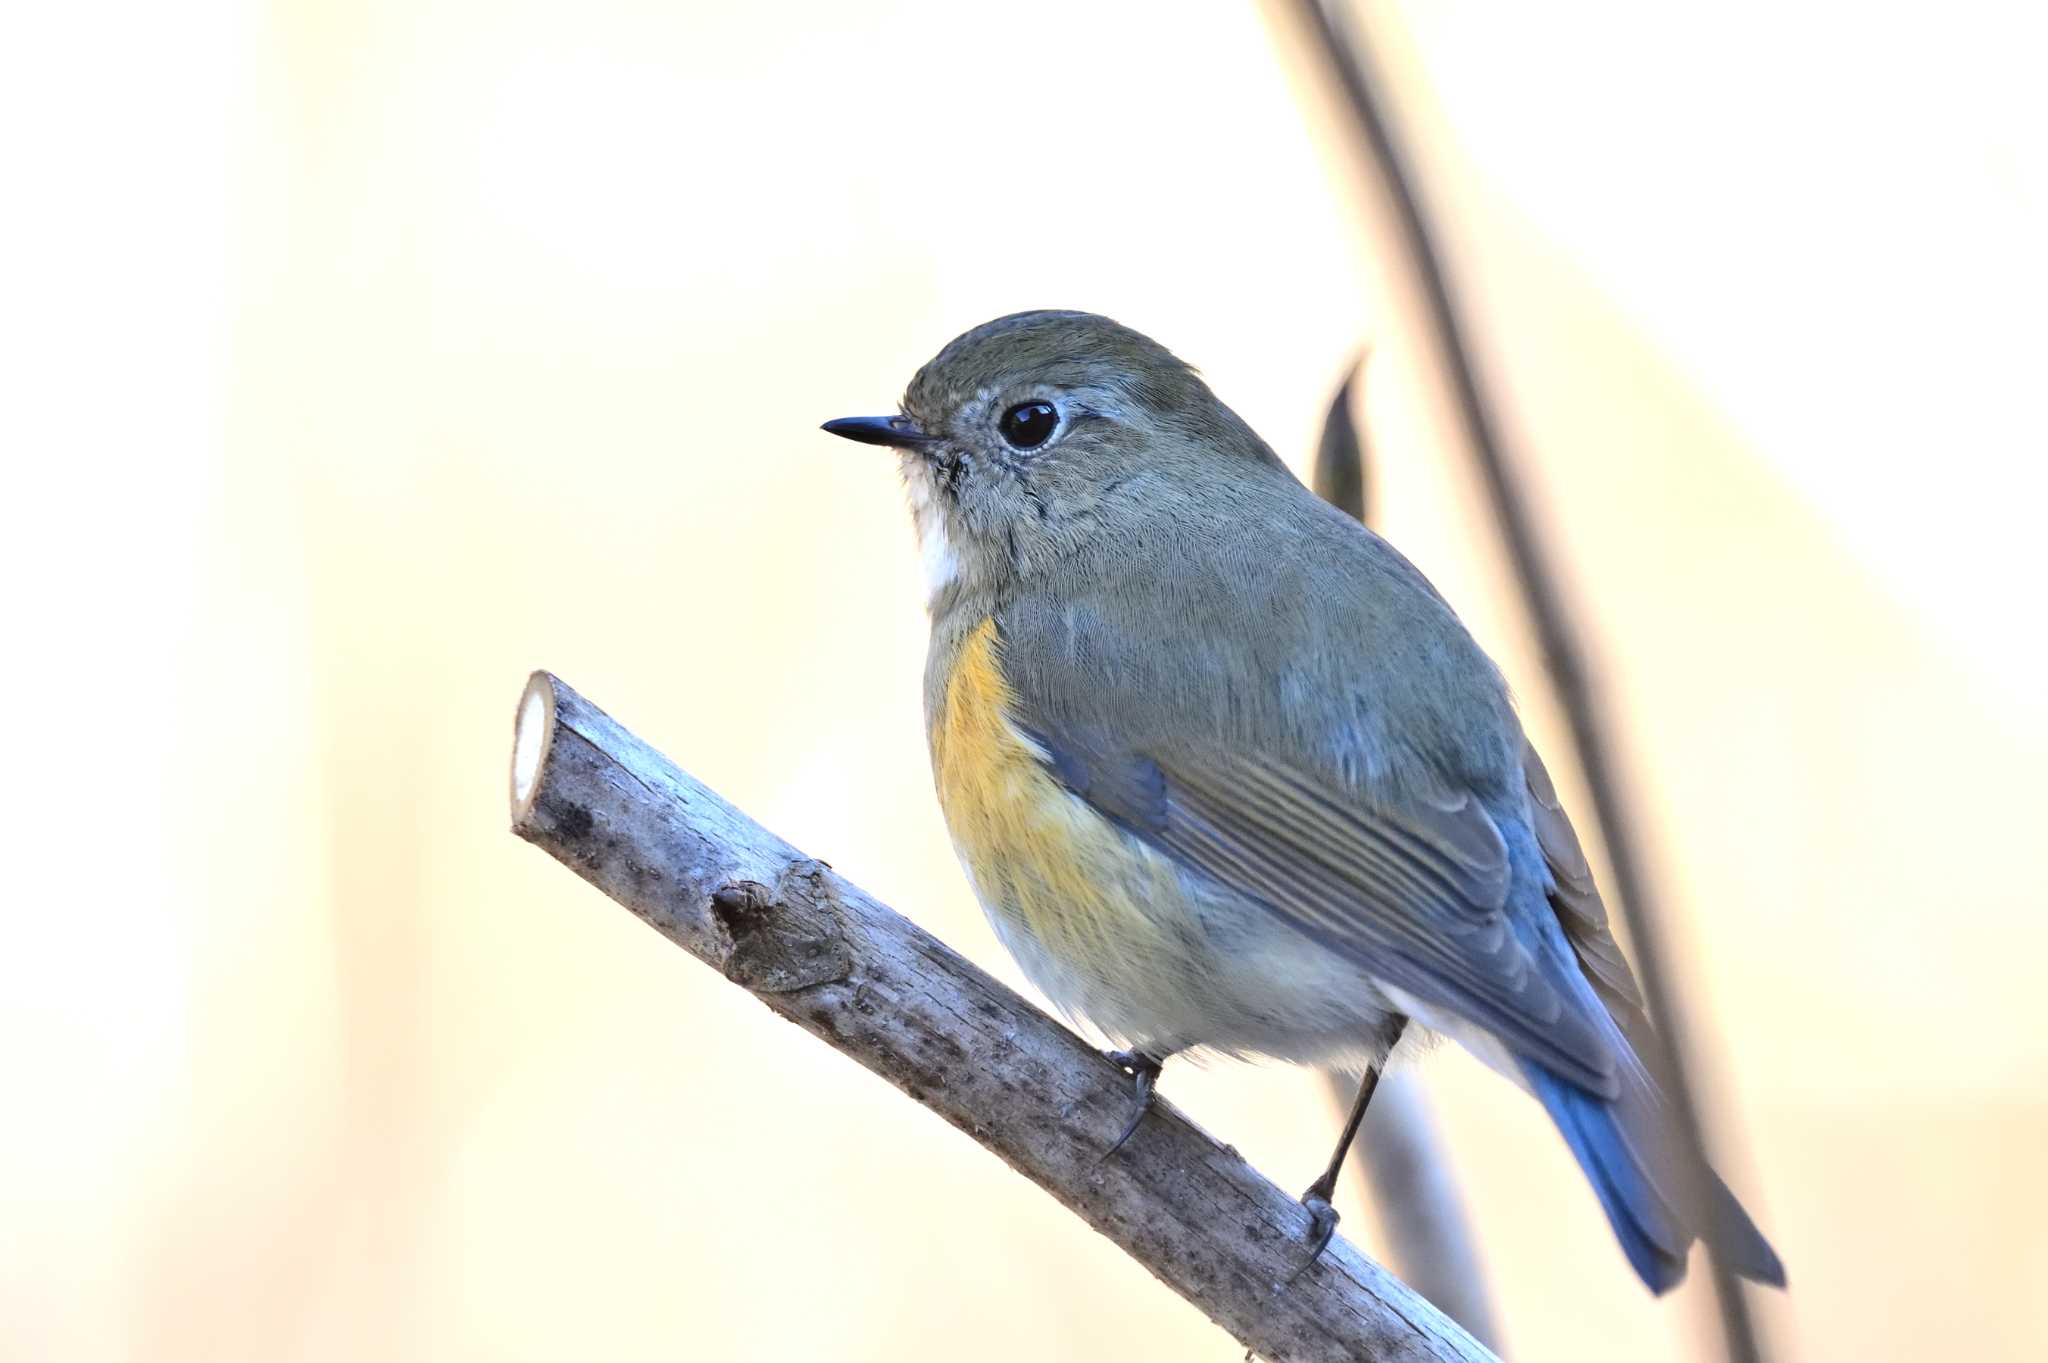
x=862 y=978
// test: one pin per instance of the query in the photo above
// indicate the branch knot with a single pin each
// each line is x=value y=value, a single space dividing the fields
x=786 y=938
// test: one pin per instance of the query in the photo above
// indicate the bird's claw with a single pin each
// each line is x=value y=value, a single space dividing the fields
x=1322 y=1225
x=1144 y=1072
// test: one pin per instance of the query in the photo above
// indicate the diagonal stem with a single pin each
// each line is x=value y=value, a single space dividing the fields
x=1543 y=599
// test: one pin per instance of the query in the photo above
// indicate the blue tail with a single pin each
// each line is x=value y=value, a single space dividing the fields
x=1621 y=1145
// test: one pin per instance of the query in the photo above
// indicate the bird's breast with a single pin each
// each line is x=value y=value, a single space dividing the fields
x=1077 y=901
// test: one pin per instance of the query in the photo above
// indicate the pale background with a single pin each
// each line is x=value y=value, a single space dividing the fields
x=362 y=357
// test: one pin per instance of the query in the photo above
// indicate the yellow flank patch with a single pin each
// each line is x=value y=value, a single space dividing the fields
x=1041 y=860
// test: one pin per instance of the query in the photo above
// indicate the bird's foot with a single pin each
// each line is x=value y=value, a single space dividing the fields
x=1322 y=1225
x=1144 y=1072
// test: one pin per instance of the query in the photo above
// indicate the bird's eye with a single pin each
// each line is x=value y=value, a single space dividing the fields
x=1029 y=424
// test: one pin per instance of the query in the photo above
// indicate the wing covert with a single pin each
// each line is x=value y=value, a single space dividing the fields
x=1416 y=896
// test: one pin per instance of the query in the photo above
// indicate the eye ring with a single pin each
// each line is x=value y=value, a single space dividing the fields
x=1029 y=424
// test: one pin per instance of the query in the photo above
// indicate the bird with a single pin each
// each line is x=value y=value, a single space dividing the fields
x=1229 y=776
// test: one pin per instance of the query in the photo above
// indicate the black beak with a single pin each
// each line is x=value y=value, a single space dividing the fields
x=895 y=431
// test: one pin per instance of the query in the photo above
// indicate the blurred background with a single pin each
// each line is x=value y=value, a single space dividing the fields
x=365 y=356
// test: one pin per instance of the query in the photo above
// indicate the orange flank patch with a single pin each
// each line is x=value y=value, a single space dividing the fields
x=1040 y=859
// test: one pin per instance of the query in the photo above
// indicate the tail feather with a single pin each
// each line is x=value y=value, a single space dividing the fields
x=1620 y=1146
x=1624 y=1142
x=1651 y=1238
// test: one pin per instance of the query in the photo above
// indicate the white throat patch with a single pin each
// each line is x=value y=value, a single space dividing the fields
x=941 y=563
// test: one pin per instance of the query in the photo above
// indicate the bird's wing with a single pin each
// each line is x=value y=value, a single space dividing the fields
x=1416 y=895
x=1576 y=898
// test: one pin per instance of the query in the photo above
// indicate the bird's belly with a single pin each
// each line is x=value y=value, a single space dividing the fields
x=1110 y=929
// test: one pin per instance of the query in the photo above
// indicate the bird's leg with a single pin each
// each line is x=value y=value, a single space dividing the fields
x=1322 y=1217
x=1144 y=1071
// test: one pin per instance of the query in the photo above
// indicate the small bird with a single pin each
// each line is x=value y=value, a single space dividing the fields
x=1229 y=776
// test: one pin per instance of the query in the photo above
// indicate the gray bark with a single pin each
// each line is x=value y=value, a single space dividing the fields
x=870 y=983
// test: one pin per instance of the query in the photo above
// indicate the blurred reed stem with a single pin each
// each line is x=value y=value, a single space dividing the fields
x=1346 y=53
x=1429 y=1236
